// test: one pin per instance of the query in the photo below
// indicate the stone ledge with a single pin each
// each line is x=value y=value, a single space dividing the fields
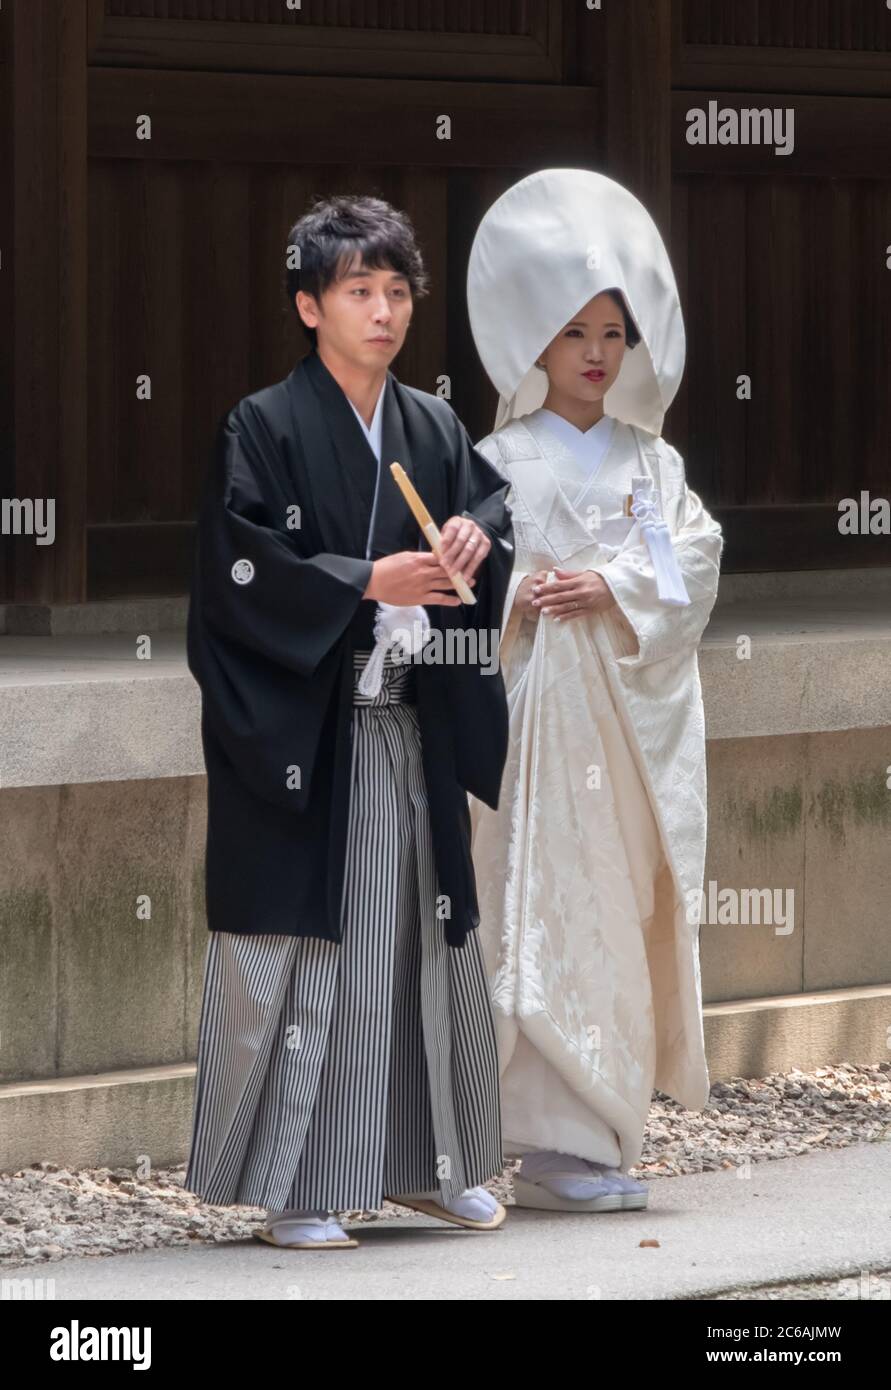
x=754 y=1037
x=112 y=1118
x=87 y=619
x=106 y=1120
x=85 y=708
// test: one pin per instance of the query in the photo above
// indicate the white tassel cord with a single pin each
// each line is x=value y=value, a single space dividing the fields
x=669 y=579
x=406 y=628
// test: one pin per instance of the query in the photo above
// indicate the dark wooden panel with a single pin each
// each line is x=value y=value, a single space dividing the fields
x=708 y=424
x=7 y=299
x=137 y=329
x=834 y=136
x=187 y=266
x=870 y=288
x=780 y=353
x=774 y=280
x=139 y=561
x=785 y=283
x=505 y=40
x=781 y=261
x=109 y=321
x=233 y=118
x=793 y=538
x=45 y=260
x=818 y=300
x=839 y=24
x=584 y=44
x=220 y=275
x=638 y=112
x=413 y=16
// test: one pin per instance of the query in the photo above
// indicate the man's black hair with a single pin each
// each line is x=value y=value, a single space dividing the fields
x=331 y=234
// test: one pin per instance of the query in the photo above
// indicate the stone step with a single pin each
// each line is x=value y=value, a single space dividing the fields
x=122 y=1118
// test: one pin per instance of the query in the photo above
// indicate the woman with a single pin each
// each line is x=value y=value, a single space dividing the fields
x=586 y=871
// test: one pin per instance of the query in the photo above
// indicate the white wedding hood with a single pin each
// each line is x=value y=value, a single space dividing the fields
x=547 y=246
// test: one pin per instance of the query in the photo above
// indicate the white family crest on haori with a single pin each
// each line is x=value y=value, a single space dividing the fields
x=585 y=870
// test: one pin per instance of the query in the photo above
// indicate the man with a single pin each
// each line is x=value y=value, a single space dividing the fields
x=347 y=1049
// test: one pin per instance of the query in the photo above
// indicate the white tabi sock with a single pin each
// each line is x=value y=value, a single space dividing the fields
x=294 y=1214
x=590 y=1182
x=534 y=1165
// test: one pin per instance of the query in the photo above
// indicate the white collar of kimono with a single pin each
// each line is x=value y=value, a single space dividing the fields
x=413 y=622
x=587 y=447
x=373 y=431
x=545 y=247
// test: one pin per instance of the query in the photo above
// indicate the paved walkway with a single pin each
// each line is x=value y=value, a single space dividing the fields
x=824 y=1215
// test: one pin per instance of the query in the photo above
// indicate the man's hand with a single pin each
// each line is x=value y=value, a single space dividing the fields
x=573 y=594
x=410 y=577
x=465 y=546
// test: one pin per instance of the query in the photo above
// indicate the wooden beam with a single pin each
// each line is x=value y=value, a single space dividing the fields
x=341 y=50
x=834 y=136
x=736 y=67
x=254 y=118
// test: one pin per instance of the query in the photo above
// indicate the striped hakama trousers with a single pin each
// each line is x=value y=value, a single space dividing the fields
x=331 y=1075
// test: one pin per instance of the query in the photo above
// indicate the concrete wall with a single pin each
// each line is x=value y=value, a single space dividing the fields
x=88 y=986
x=103 y=801
x=810 y=812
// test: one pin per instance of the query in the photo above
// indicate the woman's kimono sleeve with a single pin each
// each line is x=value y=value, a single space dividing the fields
x=292 y=610
x=662 y=629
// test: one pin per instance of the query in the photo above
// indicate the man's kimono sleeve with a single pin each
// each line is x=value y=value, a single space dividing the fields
x=483 y=492
x=292 y=610
x=523 y=566
x=472 y=696
x=663 y=629
x=265 y=622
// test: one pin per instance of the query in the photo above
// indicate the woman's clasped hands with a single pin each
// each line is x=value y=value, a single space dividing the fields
x=571 y=594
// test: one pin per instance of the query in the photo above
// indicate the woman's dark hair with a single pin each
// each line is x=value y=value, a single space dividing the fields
x=632 y=337
x=334 y=230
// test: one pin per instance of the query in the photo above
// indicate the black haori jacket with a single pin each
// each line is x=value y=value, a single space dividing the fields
x=276 y=612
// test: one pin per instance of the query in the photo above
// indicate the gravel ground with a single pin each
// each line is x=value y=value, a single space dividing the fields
x=47 y=1212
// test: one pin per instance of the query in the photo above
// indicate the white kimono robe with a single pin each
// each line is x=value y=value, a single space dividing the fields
x=585 y=870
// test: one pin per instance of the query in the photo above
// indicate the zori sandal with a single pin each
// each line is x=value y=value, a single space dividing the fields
x=603 y=1193
x=308 y=1233
x=429 y=1206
